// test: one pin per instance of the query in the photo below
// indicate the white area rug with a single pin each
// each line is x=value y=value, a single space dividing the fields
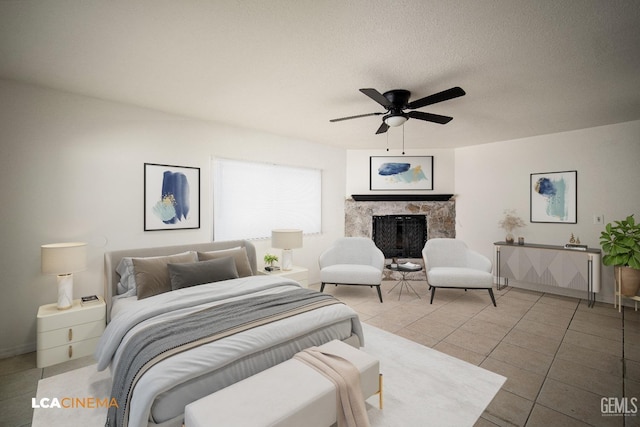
x=424 y=387
x=421 y=387
x=85 y=382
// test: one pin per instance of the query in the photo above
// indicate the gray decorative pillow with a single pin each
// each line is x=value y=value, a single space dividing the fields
x=152 y=274
x=239 y=255
x=127 y=273
x=198 y=273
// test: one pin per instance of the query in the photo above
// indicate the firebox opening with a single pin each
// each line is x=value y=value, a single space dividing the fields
x=400 y=236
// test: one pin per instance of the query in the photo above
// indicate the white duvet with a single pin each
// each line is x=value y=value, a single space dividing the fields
x=129 y=315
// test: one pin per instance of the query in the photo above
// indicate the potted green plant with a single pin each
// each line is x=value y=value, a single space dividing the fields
x=269 y=259
x=621 y=243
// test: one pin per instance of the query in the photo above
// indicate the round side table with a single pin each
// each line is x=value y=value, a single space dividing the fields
x=403 y=281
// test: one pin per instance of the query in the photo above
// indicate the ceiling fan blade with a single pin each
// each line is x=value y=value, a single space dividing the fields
x=376 y=96
x=445 y=95
x=383 y=128
x=354 y=117
x=436 y=118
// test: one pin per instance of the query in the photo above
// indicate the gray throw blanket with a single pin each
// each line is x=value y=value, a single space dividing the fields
x=158 y=341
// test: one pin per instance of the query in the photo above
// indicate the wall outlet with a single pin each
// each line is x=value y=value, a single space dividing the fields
x=598 y=219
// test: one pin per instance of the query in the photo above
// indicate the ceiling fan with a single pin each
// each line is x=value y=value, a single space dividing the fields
x=397 y=100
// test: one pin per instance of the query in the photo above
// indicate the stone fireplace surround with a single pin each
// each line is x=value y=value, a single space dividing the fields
x=441 y=219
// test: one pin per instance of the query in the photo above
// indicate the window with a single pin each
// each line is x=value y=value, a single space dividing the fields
x=251 y=199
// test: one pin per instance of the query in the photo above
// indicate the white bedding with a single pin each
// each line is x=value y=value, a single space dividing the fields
x=162 y=393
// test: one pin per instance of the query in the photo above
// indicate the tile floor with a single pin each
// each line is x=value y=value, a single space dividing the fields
x=560 y=357
x=19 y=382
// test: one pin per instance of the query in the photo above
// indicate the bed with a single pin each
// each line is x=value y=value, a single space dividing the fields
x=233 y=342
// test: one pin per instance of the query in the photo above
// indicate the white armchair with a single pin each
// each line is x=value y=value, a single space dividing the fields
x=449 y=263
x=352 y=261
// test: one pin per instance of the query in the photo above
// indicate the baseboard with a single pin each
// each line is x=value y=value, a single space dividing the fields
x=573 y=293
x=15 y=351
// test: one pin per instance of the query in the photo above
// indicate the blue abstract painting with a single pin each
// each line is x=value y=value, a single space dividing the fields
x=554 y=197
x=402 y=173
x=171 y=197
x=173 y=205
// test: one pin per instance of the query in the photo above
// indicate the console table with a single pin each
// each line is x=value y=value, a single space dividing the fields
x=549 y=265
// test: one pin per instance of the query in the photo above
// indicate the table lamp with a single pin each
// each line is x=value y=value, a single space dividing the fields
x=286 y=239
x=62 y=260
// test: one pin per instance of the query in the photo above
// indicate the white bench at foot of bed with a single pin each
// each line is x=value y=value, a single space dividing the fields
x=290 y=394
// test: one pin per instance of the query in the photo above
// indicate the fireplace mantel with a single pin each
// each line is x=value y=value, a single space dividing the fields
x=401 y=197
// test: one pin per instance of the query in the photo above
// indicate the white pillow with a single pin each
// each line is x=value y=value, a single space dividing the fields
x=127 y=283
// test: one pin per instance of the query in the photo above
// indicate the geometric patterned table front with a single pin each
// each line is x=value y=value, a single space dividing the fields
x=551 y=266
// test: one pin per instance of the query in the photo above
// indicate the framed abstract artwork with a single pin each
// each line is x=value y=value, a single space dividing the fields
x=554 y=197
x=171 y=197
x=401 y=173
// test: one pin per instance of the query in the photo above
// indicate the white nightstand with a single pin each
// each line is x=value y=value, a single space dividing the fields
x=299 y=274
x=69 y=334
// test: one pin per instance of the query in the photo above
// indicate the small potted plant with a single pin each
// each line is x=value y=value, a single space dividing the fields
x=269 y=260
x=621 y=243
x=510 y=222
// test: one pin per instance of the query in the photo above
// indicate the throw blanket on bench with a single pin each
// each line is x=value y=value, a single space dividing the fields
x=351 y=409
x=159 y=341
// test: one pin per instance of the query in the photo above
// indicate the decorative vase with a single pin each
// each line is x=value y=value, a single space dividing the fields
x=629 y=279
x=509 y=238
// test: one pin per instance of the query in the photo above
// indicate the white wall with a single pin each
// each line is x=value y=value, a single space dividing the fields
x=493 y=177
x=358 y=170
x=72 y=169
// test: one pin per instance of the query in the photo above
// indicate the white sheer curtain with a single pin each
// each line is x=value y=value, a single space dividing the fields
x=250 y=199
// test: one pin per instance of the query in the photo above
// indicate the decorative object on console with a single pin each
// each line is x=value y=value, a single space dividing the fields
x=401 y=173
x=287 y=240
x=171 y=197
x=621 y=243
x=510 y=222
x=62 y=260
x=554 y=197
x=574 y=243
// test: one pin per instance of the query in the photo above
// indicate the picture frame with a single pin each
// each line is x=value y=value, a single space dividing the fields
x=554 y=197
x=171 y=197
x=401 y=173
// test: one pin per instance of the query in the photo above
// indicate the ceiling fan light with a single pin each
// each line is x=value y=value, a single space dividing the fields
x=394 y=121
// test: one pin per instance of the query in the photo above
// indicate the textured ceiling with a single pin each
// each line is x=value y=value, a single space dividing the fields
x=287 y=67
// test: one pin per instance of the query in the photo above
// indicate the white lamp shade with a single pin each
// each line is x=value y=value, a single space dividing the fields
x=395 y=120
x=286 y=239
x=64 y=258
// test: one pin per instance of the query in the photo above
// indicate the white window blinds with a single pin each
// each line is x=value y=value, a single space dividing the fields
x=251 y=199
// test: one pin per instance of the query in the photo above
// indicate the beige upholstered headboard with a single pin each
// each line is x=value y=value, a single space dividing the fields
x=112 y=259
